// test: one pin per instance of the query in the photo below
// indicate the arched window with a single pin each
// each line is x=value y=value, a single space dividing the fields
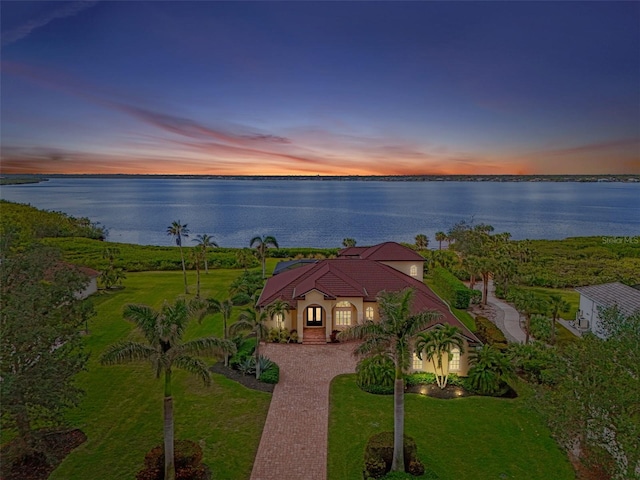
x=368 y=313
x=342 y=314
x=454 y=363
x=413 y=271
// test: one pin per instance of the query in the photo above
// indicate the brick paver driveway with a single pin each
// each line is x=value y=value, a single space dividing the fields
x=294 y=440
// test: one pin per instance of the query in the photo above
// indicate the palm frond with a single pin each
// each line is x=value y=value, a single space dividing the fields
x=127 y=352
x=194 y=366
x=208 y=346
x=361 y=331
x=145 y=318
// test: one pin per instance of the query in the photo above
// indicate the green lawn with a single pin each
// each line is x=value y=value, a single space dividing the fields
x=122 y=410
x=462 y=315
x=473 y=437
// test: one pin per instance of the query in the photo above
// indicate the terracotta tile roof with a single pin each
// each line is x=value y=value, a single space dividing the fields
x=351 y=277
x=616 y=293
x=383 y=252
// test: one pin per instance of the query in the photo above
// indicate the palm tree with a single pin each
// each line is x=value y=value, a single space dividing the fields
x=392 y=336
x=440 y=237
x=528 y=303
x=252 y=322
x=165 y=349
x=197 y=256
x=205 y=242
x=435 y=343
x=225 y=307
x=244 y=258
x=471 y=264
x=490 y=368
x=278 y=308
x=177 y=230
x=348 y=242
x=262 y=245
x=422 y=241
x=557 y=304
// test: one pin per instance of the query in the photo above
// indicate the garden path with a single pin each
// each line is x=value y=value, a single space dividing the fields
x=507 y=318
x=293 y=445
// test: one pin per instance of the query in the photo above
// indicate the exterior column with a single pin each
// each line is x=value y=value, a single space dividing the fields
x=328 y=324
x=300 y=323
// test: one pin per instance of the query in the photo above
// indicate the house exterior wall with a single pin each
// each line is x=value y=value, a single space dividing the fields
x=427 y=366
x=405 y=267
x=91 y=288
x=588 y=315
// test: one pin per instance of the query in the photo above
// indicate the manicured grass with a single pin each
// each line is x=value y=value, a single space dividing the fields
x=568 y=294
x=472 y=437
x=122 y=410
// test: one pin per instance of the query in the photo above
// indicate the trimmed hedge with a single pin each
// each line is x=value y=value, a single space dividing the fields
x=454 y=291
x=271 y=375
x=378 y=456
x=490 y=334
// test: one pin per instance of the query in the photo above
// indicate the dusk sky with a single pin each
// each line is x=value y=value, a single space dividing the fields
x=329 y=88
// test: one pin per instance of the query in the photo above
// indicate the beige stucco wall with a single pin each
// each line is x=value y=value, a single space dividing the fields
x=405 y=267
x=464 y=363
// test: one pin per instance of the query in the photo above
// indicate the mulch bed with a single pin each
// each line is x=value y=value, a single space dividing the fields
x=450 y=391
x=56 y=446
x=248 y=381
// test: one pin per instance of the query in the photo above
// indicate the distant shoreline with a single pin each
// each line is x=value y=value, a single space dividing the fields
x=17 y=179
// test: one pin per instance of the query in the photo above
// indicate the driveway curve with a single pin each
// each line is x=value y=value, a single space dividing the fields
x=293 y=445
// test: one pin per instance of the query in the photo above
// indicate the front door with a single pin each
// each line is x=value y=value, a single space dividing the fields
x=314 y=316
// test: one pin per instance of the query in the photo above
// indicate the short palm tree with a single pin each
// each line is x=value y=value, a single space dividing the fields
x=437 y=342
x=278 y=309
x=261 y=245
x=440 y=237
x=528 y=304
x=252 y=321
x=422 y=241
x=165 y=350
x=489 y=368
x=204 y=243
x=178 y=231
x=557 y=305
x=392 y=336
x=244 y=258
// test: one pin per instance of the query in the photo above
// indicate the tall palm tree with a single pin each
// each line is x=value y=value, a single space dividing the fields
x=252 y=322
x=557 y=304
x=437 y=342
x=392 y=336
x=204 y=243
x=225 y=307
x=165 y=349
x=422 y=241
x=262 y=244
x=440 y=237
x=178 y=231
x=528 y=304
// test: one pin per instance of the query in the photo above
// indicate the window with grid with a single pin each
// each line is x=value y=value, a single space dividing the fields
x=368 y=313
x=413 y=271
x=417 y=363
x=343 y=317
x=454 y=363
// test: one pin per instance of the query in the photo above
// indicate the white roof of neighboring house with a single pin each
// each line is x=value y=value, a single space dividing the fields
x=616 y=293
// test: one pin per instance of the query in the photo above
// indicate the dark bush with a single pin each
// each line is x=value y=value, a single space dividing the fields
x=490 y=334
x=188 y=461
x=271 y=375
x=420 y=378
x=378 y=456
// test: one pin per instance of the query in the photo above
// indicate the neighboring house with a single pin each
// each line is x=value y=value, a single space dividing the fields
x=596 y=297
x=92 y=286
x=333 y=294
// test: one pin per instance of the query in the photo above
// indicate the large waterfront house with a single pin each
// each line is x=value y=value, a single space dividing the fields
x=330 y=295
x=594 y=298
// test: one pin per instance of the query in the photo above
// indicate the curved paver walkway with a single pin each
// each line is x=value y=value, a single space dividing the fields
x=293 y=445
x=507 y=318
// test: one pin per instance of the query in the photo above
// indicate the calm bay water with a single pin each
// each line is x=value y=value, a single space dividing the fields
x=322 y=213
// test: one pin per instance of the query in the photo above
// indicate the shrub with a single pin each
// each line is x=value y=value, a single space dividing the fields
x=376 y=374
x=378 y=456
x=264 y=363
x=420 y=378
x=271 y=375
x=541 y=327
x=293 y=336
x=244 y=350
x=247 y=366
x=490 y=334
x=334 y=336
x=454 y=291
x=188 y=462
